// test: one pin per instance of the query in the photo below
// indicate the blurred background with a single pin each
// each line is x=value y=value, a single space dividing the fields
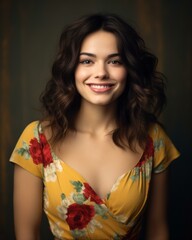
x=29 y=33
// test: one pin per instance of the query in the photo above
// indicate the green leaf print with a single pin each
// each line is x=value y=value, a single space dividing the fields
x=78 y=233
x=159 y=168
x=117 y=237
x=79 y=198
x=77 y=185
x=108 y=195
x=24 y=151
x=136 y=174
x=63 y=196
x=100 y=211
x=54 y=156
x=158 y=144
x=36 y=131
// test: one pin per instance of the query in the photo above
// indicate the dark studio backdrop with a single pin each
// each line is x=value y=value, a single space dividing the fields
x=29 y=33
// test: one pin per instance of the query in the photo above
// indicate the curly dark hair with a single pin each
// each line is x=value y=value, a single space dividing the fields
x=142 y=100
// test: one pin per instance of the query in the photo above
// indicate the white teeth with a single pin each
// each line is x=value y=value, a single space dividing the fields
x=99 y=86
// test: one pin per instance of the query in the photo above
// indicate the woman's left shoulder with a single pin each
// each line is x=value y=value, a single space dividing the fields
x=164 y=149
x=161 y=139
x=156 y=131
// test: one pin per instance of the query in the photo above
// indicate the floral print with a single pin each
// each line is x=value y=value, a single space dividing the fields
x=144 y=166
x=80 y=209
x=51 y=170
x=90 y=193
x=79 y=215
x=148 y=153
x=40 y=151
x=73 y=208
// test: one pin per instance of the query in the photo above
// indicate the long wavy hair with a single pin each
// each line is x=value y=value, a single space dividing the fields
x=142 y=100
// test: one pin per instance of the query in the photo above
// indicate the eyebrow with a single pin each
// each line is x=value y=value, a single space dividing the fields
x=94 y=55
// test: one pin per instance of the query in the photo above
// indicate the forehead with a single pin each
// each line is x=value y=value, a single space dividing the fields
x=101 y=41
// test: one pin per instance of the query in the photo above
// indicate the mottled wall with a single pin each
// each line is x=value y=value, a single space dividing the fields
x=29 y=31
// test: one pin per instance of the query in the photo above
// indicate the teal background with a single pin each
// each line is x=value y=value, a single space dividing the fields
x=29 y=33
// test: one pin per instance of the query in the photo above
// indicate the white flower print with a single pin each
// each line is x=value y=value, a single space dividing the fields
x=93 y=224
x=46 y=200
x=116 y=184
x=121 y=218
x=62 y=209
x=56 y=229
x=51 y=169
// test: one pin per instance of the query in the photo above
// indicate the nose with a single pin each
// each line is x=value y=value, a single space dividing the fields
x=101 y=71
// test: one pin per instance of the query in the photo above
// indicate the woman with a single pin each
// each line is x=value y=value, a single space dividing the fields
x=99 y=154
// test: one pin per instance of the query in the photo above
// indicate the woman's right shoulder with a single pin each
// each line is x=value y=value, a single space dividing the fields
x=27 y=152
x=31 y=125
x=35 y=128
x=31 y=128
x=36 y=125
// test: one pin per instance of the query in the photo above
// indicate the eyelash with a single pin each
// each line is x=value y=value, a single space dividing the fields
x=116 y=62
x=86 y=61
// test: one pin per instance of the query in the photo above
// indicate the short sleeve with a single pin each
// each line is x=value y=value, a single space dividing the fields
x=27 y=152
x=164 y=150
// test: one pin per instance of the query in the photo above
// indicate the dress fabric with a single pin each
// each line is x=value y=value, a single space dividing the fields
x=73 y=208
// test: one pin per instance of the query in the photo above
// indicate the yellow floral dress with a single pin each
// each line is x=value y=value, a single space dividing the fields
x=73 y=209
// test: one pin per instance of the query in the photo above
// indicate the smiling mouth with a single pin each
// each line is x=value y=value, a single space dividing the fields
x=101 y=87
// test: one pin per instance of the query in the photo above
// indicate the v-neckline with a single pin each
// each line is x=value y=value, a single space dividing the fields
x=84 y=180
x=105 y=197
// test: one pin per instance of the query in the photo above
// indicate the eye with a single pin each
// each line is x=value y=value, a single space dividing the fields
x=115 y=62
x=86 y=61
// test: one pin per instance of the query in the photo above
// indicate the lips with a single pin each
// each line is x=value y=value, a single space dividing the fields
x=101 y=87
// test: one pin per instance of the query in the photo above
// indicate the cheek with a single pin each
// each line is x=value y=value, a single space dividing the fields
x=119 y=73
x=122 y=80
x=81 y=75
x=122 y=75
x=77 y=75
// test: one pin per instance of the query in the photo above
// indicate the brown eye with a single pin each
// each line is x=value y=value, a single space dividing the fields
x=85 y=61
x=115 y=62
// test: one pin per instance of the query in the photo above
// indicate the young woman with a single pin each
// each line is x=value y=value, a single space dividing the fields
x=99 y=155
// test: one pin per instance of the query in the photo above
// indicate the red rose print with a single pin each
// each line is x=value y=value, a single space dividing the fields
x=89 y=192
x=46 y=151
x=40 y=151
x=35 y=151
x=150 y=148
x=149 y=152
x=79 y=215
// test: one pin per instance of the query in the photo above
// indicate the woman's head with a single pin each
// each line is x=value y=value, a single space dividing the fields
x=100 y=75
x=131 y=47
x=143 y=95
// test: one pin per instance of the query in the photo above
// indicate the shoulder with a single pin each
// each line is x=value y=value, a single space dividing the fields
x=27 y=152
x=31 y=130
x=31 y=126
x=164 y=149
x=156 y=130
x=160 y=136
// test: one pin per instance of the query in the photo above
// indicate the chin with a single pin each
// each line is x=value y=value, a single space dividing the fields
x=103 y=103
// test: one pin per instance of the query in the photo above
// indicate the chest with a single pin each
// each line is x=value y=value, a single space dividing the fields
x=99 y=161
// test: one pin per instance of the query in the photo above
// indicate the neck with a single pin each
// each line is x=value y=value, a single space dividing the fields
x=95 y=119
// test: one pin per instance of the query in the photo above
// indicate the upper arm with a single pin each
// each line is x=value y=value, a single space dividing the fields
x=157 y=227
x=27 y=204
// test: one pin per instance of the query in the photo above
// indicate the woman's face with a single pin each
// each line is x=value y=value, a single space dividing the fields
x=100 y=76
